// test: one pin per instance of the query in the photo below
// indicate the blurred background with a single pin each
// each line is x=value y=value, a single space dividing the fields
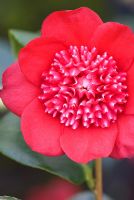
x=31 y=184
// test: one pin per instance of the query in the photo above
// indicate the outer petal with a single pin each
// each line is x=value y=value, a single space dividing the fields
x=40 y=130
x=83 y=145
x=37 y=56
x=72 y=26
x=17 y=92
x=117 y=40
x=124 y=146
x=130 y=81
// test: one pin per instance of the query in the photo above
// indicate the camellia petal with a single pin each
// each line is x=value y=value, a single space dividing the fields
x=17 y=92
x=117 y=40
x=129 y=109
x=124 y=146
x=41 y=131
x=36 y=57
x=72 y=26
x=83 y=145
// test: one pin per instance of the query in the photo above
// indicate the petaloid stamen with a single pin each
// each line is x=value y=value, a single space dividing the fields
x=84 y=88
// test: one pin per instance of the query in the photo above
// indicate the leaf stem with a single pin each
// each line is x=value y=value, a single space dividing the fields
x=98 y=173
x=88 y=171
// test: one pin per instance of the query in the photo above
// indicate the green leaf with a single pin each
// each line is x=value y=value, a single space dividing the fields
x=3 y=109
x=19 y=39
x=13 y=146
x=7 y=198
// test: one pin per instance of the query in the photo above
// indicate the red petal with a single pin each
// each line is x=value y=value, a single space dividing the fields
x=72 y=26
x=37 y=56
x=130 y=82
x=124 y=146
x=117 y=40
x=40 y=130
x=17 y=92
x=83 y=145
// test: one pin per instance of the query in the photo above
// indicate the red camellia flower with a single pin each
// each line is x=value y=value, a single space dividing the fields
x=57 y=189
x=73 y=88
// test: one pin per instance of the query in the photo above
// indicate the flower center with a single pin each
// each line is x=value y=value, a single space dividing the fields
x=84 y=88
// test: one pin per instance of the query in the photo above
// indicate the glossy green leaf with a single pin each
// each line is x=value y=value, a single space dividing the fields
x=18 y=39
x=13 y=146
x=7 y=198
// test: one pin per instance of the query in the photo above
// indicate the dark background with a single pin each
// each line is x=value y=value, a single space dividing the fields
x=15 y=179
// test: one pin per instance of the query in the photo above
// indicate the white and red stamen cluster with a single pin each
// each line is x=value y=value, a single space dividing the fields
x=84 y=88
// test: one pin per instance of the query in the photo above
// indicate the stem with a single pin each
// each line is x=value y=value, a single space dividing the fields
x=88 y=171
x=98 y=174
